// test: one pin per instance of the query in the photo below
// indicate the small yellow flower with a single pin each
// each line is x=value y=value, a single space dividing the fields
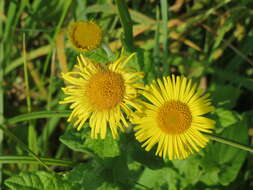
x=173 y=118
x=102 y=94
x=85 y=35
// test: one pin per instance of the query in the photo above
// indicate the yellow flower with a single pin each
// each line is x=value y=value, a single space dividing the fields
x=85 y=35
x=173 y=118
x=102 y=94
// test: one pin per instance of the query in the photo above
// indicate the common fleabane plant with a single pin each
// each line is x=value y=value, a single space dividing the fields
x=173 y=118
x=171 y=115
x=104 y=94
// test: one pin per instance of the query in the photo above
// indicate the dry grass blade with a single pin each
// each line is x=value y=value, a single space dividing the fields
x=60 y=48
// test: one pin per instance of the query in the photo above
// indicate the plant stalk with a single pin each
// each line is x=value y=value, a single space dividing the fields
x=229 y=142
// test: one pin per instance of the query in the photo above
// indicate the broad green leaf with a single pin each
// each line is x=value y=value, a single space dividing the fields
x=211 y=176
x=116 y=172
x=110 y=174
x=136 y=153
x=39 y=180
x=81 y=141
x=226 y=117
x=221 y=95
x=189 y=169
x=224 y=160
x=100 y=56
x=107 y=147
x=85 y=176
x=164 y=178
x=231 y=159
x=74 y=140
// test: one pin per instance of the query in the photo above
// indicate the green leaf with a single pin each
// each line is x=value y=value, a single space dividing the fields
x=110 y=174
x=226 y=117
x=116 y=172
x=107 y=147
x=211 y=177
x=221 y=95
x=224 y=160
x=74 y=140
x=189 y=169
x=100 y=56
x=136 y=153
x=81 y=141
x=164 y=178
x=39 y=180
x=85 y=176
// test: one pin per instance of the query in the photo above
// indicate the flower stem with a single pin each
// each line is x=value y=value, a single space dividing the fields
x=31 y=160
x=230 y=142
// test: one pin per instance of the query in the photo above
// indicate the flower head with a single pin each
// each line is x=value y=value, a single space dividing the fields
x=102 y=94
x=85 y=35
x=174 y=118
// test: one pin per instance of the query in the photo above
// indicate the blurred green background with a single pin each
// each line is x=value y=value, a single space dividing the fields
x=210 y=41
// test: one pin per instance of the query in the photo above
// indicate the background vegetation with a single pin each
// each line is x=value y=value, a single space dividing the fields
x=207 y=40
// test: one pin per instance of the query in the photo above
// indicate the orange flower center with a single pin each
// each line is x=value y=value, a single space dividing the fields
x=85 y=35
x=174 y=117
x=105 y=90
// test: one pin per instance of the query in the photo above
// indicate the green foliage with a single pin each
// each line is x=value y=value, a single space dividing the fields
x=225 y=162
x=81 y=141
x=225 y=96
x=110 y=174
x=232 y=157
x=74 y=140
x=135 y=153
x=87 y=176
x=164 y=178
x=37 y=180
x=225 y=118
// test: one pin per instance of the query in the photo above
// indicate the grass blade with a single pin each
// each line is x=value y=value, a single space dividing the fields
x=164 y=11
x=37 y=115
x=1 y=86
x=156 y=49
x=23 y=146
x=32 y=135
x=126 y=23
x=31 y=160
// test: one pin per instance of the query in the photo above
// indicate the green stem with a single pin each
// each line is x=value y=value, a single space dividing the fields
x=230 y=142
x=31 y=160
